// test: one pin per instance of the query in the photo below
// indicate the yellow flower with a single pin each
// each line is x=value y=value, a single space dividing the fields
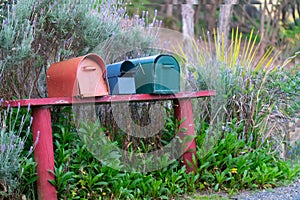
x=82 y=171
x=234 y=170
x=103 y=193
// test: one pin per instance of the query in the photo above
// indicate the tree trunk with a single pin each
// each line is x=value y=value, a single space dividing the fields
x=262 y=28
x=187 y=13
x=298 y=7
x=212 y=13
x=169 y=12
x=224 y=19
x=197 y=18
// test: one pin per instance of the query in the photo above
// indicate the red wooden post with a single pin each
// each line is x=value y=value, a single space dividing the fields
x=43 y=153
x=183 y=111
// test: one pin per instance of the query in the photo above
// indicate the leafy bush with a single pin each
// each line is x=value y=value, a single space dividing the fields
x=35 y=34
x=79 y=175
x=135 y=38
x=291 y=35
x=251 y=98
x=14 y=156
x=233 y=165
x=242 y=130
x=230 y=165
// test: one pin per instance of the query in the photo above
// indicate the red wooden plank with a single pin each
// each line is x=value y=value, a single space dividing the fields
x=106 y=99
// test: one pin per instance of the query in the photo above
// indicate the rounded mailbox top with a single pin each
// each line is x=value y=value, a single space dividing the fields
x=120 y=68
x=83 y=76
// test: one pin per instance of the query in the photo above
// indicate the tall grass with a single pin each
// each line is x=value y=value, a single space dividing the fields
x=248 y=96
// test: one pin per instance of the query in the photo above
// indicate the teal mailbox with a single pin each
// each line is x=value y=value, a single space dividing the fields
x=159 y=74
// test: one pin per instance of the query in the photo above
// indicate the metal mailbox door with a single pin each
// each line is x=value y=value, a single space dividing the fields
x=144 y=78
x=91 y=79
x=121 y=77
x=167 y=75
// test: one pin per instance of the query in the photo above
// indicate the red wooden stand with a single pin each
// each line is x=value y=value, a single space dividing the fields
x=43 y=153
x=42 y=128
x=183 y=110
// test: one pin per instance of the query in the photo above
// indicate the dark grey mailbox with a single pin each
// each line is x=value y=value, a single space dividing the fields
x=159 y=74
x=121 y=77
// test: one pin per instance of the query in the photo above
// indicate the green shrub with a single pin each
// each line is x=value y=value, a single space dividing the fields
x=251 y=97
x=79 y=175
x=14 y=156
x=35 y=34
x=230 y=165
x=233 y=165
x=241 y=131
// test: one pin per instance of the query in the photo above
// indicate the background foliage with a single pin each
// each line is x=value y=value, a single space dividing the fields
x=35 y=34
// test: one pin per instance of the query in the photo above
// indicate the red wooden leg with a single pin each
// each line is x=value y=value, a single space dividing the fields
x=183 y=111
x=43 y=153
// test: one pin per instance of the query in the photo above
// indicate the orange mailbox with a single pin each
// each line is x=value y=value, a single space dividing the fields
x=83 y=76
